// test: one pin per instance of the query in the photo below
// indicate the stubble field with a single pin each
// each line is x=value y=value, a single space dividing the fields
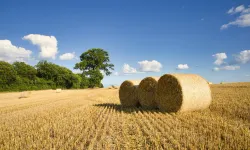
x=94 y=119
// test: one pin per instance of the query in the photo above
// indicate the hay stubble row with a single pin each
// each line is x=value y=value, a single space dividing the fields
x=74 y=120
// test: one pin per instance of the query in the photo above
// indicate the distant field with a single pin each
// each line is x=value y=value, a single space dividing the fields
x=94 y=119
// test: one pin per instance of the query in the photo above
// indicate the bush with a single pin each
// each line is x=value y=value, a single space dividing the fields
x=46 y=75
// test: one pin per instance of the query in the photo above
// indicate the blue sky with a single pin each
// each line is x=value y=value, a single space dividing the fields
x=184 y=33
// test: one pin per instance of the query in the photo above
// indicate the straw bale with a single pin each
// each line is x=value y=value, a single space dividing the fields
x=128 y=93
x=58 y=90
x=25 y=94
x=147 y=92
x=182 y=92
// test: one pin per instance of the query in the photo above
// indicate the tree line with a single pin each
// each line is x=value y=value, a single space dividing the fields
x=20 y=76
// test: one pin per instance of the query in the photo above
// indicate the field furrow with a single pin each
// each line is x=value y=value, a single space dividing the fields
x=92 y=126
x=153 y=137
x=75 y=124
x=39 y=124
x=101 y=132
x=165 y=132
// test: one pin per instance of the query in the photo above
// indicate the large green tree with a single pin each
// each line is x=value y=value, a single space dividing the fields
x=93 y=61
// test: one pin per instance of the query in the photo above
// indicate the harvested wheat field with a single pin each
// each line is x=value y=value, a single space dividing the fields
x=94 y=119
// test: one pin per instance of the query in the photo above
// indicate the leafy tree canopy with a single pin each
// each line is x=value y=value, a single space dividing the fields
x=93 y=59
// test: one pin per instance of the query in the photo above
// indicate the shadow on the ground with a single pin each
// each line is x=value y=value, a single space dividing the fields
x=120 y=108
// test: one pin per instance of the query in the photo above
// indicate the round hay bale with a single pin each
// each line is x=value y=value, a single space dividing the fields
x=25 y=94
x=58 y=90
x=147 y=92
x=182 y=92
x=128 y=93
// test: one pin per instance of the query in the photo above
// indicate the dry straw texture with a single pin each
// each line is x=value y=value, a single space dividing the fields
x=128 y=93
x=182 y=92
x=147 y=92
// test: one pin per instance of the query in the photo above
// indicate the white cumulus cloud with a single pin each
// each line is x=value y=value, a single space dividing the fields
x=236 y=10
x=241 y=21
x=245 y=11
x=229 y=67
x=182 y=66
x=11 y=53
x=243 y=57
x=47 y=44
x=67 y=56
x=128 y=70
x=150 y=66
x=219 y=58
x=231 y=11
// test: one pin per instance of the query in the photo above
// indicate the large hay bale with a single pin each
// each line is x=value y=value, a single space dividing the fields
x=182 y=92
x=147 y=92
x=128 y=93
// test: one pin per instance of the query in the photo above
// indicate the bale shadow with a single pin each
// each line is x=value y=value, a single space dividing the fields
x=120 y=108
